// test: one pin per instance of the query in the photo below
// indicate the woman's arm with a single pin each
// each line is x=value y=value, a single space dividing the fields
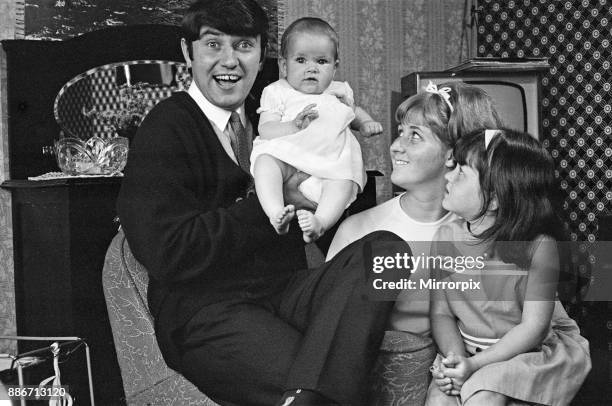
x=271 y=126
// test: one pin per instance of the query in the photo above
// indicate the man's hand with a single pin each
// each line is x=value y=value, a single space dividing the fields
x=306 y=116
x=370 y=128
x=293 y=196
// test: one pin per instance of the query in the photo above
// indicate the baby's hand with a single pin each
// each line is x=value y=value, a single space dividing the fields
x=305 y=117
x=370 y=128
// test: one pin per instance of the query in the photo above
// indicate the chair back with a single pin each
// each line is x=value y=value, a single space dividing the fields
x=146 y=377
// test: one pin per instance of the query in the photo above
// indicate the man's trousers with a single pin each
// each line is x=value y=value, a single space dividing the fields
x=321 y=333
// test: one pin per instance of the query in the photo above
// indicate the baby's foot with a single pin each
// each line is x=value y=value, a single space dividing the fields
x=283 y=219
x=312 y=227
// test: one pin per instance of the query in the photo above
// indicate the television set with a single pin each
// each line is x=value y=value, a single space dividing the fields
x=514 y=87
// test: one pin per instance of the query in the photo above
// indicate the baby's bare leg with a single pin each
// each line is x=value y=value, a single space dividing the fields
x=269 y=174
x=335 y=195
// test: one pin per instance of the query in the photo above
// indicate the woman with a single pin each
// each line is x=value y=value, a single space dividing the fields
x=430 y=124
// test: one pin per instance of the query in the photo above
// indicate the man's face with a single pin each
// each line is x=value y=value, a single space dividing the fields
x=224 y=66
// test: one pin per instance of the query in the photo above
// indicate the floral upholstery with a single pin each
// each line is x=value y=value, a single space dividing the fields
x=401 y=373
x=400 y=376
x=147 y=380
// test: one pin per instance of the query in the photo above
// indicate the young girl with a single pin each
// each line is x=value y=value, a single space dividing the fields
x=429 y=124
x=505 y=338
x=304 y=126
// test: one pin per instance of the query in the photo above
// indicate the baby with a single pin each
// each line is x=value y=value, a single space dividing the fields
x=304 y=126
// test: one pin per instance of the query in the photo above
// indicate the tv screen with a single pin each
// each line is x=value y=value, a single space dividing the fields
x=509 y=100
x=516 y=94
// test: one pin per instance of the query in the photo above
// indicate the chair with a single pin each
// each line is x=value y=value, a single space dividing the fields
x=147 y=380
x=401 y=372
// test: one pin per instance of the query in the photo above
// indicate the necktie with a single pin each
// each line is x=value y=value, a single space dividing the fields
x=241 y=143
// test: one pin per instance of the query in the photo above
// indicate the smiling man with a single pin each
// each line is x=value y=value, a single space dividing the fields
x=233 y=311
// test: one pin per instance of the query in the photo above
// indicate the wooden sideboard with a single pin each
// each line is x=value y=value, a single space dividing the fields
x=61 y=230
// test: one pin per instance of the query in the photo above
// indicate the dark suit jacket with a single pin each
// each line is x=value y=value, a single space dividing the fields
x=183 y=208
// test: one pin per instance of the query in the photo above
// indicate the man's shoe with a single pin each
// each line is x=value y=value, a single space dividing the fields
x=302 y=397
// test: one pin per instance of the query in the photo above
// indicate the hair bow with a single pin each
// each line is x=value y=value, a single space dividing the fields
x=444 y=92
x=489 y=135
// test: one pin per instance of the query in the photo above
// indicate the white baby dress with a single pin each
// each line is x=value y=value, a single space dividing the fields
x=326 y=149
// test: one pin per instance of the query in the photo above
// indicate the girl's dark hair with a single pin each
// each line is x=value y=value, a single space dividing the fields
x=473 y=109
x=233 y=17
x=517 y=171
x=310 y=25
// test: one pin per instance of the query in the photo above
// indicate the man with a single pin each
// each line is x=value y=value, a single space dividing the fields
x=232 y=312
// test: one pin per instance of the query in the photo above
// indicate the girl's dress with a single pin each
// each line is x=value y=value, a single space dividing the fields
x=326 y=149
x=550 y=374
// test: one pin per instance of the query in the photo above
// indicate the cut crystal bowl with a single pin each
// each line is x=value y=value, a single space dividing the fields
x=96 y=156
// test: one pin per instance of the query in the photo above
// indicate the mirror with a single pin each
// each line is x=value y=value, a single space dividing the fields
x=111 y=100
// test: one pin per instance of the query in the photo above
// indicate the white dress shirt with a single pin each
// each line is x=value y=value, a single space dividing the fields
x=219 y=118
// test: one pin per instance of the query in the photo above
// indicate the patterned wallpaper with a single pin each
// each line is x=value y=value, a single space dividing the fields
x=576 y=104
x=381 y=41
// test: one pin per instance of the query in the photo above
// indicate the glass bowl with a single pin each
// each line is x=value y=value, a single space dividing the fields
x=96 y=156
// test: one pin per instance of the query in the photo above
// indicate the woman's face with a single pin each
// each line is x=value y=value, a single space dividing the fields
x=418 y=156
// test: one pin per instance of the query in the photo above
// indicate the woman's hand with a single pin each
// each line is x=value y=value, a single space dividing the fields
x=306 y=116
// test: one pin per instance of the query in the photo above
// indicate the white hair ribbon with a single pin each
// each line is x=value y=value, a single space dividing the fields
x=444 y=92
x=489 y=135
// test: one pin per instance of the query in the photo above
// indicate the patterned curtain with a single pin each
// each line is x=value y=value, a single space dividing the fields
x=381 y=41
